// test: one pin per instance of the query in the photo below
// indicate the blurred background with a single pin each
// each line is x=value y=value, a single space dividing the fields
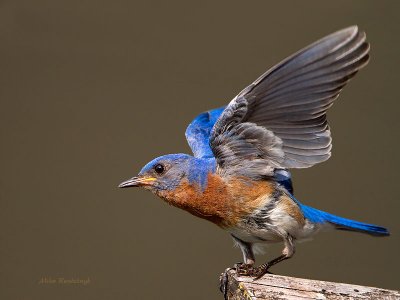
x=93 y=90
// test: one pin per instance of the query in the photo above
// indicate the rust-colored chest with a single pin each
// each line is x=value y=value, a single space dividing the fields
x=222 y=202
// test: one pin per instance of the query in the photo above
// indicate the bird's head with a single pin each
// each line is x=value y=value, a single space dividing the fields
x=161 y=174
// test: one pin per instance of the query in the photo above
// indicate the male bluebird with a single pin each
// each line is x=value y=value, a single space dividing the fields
x=238 y=176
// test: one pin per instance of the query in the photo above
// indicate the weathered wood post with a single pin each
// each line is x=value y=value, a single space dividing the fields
x=282 y=287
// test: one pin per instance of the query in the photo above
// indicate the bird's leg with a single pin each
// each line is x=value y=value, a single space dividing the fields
x=242 y=268
x=247 y=266
x=287 y=252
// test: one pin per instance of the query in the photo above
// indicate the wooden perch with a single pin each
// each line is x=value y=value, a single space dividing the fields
x=282 y=287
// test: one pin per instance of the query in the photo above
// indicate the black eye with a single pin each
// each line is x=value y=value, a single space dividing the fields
x=159 y=168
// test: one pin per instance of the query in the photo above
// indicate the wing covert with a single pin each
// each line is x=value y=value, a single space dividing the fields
x=198 y=132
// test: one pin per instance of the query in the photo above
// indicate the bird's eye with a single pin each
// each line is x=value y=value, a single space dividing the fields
x=159 y=168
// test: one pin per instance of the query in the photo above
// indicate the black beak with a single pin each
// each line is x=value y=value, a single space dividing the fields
x=137 y=181
x=133 y=182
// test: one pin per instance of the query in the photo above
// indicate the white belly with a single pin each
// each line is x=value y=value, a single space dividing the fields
x=278 y=225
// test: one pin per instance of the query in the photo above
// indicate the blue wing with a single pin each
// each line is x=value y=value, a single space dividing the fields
x=198 y=132
x=198 y=136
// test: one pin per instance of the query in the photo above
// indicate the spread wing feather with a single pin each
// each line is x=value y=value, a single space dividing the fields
x=243 y=148
x=279 y=121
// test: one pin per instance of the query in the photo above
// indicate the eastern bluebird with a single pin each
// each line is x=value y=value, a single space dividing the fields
x=238 y=177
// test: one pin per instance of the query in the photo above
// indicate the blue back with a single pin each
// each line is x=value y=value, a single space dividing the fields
x=199 y=168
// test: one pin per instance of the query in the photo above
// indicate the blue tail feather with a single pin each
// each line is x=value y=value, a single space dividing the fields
x=318 y=216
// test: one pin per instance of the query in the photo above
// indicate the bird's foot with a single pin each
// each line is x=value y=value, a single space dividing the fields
x=249 y=270
x=261 y=271
x=243 y=269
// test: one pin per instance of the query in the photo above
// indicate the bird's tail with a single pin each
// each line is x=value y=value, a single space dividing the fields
x=318 y=216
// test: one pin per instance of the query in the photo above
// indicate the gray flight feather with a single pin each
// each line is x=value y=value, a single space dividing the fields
x=279 y=121
x=244 y=149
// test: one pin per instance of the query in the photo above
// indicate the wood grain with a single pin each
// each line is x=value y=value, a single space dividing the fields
x=282 y=287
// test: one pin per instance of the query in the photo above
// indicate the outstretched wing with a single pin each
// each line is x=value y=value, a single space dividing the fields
x=198 y=132
x=198 y=136
x=279 y=121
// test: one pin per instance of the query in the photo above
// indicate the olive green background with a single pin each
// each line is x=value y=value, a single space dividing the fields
x=93 y=90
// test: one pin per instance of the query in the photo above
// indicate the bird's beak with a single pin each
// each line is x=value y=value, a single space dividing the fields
x=137 y=181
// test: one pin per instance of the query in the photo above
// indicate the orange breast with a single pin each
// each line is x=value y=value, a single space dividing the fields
x=223 y=202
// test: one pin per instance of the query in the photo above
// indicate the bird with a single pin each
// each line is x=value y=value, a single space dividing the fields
x=239 y=174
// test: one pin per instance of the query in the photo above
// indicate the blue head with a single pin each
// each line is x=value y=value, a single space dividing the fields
x=162 y=173
x=167 y=172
